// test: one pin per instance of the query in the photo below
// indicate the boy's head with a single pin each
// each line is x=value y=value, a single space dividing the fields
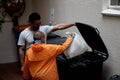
x=39 y=37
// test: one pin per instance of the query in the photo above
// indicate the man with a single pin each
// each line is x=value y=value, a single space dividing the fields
x=40 y=59
x=26 y=36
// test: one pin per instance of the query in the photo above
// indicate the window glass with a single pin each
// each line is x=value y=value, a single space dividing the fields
x=115 y=2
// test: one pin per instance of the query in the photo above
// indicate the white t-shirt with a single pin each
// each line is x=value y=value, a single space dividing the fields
x=26 y=36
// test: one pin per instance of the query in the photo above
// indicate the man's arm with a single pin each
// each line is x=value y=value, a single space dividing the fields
x=62 y=26
x=21 y=53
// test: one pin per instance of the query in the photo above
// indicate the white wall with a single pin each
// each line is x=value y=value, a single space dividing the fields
x=28 y=9
x=7 y=44
x=89 y=12
x=43 y=8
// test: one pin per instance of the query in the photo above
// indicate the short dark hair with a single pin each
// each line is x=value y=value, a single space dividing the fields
x=34 y=16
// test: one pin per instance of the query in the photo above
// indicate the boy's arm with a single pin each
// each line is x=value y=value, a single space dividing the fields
x=64 y=46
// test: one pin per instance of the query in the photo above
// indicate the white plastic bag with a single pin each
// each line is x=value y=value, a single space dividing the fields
x=77 y=47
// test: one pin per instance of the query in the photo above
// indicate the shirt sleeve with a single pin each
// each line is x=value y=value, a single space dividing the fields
x=21 y=40
x=46 y=29
x=49 y=29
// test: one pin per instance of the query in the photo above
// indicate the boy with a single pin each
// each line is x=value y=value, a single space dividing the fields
x=40 y=60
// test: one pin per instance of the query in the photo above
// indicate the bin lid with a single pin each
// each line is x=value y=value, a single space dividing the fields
x=92 y=37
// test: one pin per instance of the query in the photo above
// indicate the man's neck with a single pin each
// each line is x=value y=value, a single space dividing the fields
x=33 y=29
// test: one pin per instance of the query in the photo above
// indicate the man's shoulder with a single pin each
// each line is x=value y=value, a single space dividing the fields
x=25 y=30
x=43 y=26
x=46 y=27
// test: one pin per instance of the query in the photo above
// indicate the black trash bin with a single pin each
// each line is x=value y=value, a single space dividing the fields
x=87 y=66
x=83 y=67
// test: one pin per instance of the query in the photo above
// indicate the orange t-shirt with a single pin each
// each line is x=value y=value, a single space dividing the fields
x=40 y=61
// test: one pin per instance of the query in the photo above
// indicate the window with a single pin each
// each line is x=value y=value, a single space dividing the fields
x=111 y=7
x=114 y=4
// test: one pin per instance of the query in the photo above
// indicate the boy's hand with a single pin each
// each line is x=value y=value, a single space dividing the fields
x=71 y=34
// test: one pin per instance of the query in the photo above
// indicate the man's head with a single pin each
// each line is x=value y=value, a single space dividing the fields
x=39 y=37
x=35 y=21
